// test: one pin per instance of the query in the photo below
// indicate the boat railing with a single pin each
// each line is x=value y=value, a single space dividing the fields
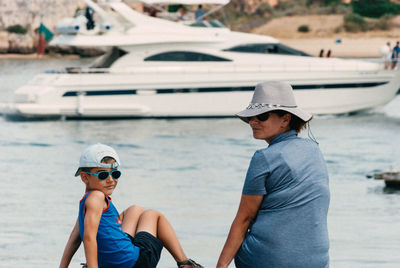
x=327 y=66
x=79 y=70
x=247 y=68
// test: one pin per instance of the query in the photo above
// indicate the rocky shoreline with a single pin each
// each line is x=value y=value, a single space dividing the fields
x=28 y=15
x=17 y=43
x=12 y=43
x=323 y=34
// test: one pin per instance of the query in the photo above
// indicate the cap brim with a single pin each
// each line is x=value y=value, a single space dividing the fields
x=78 y=172
x=245 y=114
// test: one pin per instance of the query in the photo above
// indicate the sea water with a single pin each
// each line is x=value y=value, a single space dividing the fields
x=191 y=170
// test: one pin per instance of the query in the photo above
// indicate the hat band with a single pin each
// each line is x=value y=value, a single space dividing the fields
x=261 y=105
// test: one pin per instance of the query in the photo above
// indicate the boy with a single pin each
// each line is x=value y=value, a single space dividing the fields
x=134 y=238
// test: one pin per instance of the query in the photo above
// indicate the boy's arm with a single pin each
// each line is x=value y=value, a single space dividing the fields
x=71 y=247
x=94 y=206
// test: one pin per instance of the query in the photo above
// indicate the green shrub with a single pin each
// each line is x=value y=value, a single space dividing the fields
x=18 y=29
x=384 y=23
x=291 y=8
x=355 y=23
x=332 y=9
x=264 y=8
x=303 y=29
x=332 y=2
x=338 y=29
x=375 y=8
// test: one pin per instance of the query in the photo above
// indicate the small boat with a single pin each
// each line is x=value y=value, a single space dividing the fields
x=160 y=68
x=391 y=177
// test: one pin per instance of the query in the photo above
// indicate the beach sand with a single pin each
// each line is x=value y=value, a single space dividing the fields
x=347 y=48
x=324 y=34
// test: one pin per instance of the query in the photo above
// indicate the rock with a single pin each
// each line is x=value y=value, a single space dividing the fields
x=21 y=43
x=250 y=6
x=82 y=51
x=29 y=14
x=4 y=42
x=90 y=51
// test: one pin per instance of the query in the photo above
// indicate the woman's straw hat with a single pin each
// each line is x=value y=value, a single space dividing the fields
x=273 y=95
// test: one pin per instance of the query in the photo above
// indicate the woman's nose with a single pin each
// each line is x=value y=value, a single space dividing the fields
x=252 y=119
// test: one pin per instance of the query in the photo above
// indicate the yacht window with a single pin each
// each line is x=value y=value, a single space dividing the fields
x=267 y=49
x=216 y=24
x=184 y=56
x=198 y=24
x=211 y=24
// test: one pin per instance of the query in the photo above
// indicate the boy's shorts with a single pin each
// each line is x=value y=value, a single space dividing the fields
x=150 y=249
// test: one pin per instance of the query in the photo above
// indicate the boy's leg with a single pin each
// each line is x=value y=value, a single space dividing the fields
x=155 y=223
x=130 y=218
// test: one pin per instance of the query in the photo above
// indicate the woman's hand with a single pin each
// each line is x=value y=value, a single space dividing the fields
x=72 y=246
x=248 y=208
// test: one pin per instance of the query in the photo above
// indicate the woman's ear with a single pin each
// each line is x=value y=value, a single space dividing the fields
x=286 y=120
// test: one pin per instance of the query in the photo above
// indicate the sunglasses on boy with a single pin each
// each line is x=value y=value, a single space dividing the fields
x=103 y=175
x=261 y=117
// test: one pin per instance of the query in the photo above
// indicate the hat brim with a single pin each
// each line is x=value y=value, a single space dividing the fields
x=245 y=114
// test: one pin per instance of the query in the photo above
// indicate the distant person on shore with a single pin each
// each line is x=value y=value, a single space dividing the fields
x=199 y=14
x=282 y=216
x=89 y=12
x=182 y=13
x=321 y=53
x=153 y=12
x=329 y=54
x=133 y=238
x=395 y=55
x=386 y=53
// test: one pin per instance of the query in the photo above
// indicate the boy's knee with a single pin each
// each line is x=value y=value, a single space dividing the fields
x=134 y=210
x=152 y=212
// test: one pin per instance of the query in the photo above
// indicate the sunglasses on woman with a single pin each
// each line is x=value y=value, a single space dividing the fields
x=261 y=117
x=103 y=175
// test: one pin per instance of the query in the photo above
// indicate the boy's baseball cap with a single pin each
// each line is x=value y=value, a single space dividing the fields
x=92 y=156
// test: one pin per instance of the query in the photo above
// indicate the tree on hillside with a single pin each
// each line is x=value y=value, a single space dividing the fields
x=375 y=8
x=323 y=2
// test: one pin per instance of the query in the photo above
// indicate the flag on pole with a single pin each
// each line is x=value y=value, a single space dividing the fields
x=45 y=36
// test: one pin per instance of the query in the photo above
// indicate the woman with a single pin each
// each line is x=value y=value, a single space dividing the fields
x=282 y=216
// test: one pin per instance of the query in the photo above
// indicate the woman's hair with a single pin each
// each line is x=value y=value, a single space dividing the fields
x=105 y=160
x=295 y=122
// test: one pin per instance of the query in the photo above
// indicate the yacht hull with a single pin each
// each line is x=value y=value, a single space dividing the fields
x=137 y=94
x=159 y=68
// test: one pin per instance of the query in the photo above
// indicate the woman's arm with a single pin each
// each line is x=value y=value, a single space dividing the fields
x=94 y=206
x=71 y=247
x=248 y=208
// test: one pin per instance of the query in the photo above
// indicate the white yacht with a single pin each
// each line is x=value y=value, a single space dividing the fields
x=160 y=68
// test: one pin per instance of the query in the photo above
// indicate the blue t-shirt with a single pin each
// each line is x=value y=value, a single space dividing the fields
x=395 y=52
x=199 y=14
x=290 y=229
x=114 y=247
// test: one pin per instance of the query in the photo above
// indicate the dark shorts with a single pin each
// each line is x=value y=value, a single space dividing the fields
x=150 y=249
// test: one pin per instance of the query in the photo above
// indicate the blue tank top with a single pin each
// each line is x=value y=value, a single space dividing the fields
x=114 y=247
